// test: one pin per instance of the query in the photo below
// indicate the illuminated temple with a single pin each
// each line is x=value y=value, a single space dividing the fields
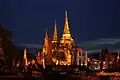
x=57 y=51
x=61 y=51
x=62 y=47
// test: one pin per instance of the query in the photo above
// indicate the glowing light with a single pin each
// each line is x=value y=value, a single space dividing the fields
x=43 y=63
x=102 y=73
x=57 y=62
x=95 y=62
x=33 y=62
x=25 y=52
x=28 y=63
x=104 y=62
x=81 y=64
x=25 y=57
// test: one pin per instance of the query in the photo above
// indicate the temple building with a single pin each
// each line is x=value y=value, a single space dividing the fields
x=59 y=48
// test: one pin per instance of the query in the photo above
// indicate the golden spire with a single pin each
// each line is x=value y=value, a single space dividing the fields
x=66 y=26
x=66 y=32
x=46 y=38
x=46 y=35
x=45 y=49
x=55 y=37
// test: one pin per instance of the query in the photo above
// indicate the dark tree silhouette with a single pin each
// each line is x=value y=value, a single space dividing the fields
x=9 y=50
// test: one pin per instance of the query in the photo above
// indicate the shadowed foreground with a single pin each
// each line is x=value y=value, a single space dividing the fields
x=43 y=77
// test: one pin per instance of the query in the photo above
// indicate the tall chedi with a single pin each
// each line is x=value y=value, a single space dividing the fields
x=66 y=36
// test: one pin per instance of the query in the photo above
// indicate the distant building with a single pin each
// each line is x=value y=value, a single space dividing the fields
x=111 y=60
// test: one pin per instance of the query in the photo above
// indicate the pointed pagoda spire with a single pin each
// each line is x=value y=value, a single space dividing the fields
x=66 y=26
x=55 y=36
x=46 y=34
x=66 y=32
x=45 y=49
x=66 y=15
x=46 y=38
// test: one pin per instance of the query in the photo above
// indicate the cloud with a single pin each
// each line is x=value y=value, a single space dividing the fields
x=108 y=41
x=112 y=44
x=31 y=45
x=93 y=51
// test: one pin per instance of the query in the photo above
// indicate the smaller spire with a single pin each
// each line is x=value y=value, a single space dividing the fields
x=55 y=37
x=46 y=30
x=45 y=42
x=46 y=35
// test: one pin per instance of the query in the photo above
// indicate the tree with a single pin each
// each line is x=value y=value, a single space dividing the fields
x=7 y=49
x=1 y=51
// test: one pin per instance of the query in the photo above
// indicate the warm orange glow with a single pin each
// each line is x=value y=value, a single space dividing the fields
x=25 y=52
x=43 y=63
x=25 y=57
x=60 y=47
x=57 y=62
x=33 y=62
x=108 y=74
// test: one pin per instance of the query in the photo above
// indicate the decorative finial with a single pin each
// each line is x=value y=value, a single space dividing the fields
x=66 y=12
x=55 y=21
x=46 y=33
x=46 y=30
x=55 y=32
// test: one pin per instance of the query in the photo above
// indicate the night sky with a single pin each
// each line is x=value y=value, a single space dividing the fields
x=93 y=23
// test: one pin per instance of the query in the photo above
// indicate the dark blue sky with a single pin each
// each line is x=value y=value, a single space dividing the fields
x=89 y=20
